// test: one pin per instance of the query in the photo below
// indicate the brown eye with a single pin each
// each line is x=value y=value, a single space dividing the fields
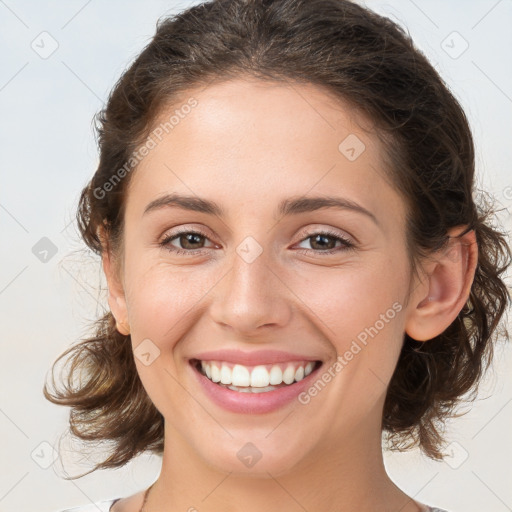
x=188 y=242
x=322 y=242
x=326 y=243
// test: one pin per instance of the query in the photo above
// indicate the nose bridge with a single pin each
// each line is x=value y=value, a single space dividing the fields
x=251 y=295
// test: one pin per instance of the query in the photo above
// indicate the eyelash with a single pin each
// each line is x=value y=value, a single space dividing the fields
x=347 y=245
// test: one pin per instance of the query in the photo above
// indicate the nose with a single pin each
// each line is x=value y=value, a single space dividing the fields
x=251 y=296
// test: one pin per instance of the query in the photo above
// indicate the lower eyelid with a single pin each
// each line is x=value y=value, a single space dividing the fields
x=345 y=246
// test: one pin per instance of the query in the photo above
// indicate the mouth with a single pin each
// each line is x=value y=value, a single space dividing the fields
x=253 y=388
x=262 y=378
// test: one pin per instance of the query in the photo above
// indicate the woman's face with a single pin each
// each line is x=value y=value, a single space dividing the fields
x=269 y=272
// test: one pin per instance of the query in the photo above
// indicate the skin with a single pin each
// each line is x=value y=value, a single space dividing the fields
x=247 y=145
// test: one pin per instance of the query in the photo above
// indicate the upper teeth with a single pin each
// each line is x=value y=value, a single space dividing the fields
x=257 y=376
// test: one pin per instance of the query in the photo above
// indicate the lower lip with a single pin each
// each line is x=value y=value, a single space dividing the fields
x=253 y=403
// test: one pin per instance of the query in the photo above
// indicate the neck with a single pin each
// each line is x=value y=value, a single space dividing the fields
x=350 y=477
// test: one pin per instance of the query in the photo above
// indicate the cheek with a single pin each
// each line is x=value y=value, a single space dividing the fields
x=349 y=299
x=162 y=300
x=359 y=310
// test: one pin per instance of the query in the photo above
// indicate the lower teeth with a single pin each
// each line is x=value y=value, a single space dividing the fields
x=249 y=389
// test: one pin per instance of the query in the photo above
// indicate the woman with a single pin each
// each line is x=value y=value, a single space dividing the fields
x=295 y=262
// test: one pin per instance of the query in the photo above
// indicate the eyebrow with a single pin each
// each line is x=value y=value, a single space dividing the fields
x=285 y=208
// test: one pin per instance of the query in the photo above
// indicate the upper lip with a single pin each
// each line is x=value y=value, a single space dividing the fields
x=254 y=358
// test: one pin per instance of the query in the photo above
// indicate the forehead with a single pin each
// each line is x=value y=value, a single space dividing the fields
x=254 y=143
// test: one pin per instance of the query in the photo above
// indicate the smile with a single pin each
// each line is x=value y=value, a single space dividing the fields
x=256 y=388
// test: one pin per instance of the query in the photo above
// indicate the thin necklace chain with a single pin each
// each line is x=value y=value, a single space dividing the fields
x=146 y=494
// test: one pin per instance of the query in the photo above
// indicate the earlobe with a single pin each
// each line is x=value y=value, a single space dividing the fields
x=440 y=298
x=119 y=310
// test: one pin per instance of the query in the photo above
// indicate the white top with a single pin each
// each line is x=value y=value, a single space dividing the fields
x=104 y=506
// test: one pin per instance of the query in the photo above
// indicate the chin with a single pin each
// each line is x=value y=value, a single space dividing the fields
x=254 y=458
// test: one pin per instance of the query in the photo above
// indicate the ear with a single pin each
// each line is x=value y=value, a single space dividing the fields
x=438 y=299
x=116 y=295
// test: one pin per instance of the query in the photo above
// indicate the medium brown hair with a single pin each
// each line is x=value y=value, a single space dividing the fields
x=369 y=63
